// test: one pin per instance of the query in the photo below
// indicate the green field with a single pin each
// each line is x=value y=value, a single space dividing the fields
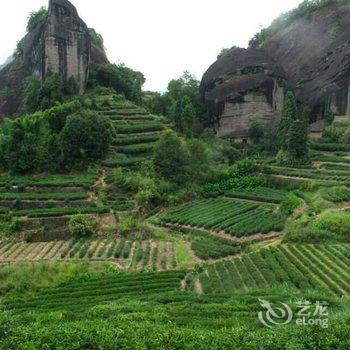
x=228 y=215
x=302 y=266
x=261 y=194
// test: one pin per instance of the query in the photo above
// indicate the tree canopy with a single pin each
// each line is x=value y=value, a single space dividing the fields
x=36 y=18
x=122 y=79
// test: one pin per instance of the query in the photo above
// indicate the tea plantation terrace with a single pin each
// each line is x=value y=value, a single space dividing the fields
x=48 y=196
x=136 y=132
x=126 y=253
x=325 y=267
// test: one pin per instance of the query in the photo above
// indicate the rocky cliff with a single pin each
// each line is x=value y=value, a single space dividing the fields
x=61 y=45
x=310 y=56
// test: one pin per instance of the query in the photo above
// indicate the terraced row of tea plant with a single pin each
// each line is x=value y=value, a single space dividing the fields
x=332 y=177
x=261 y=194
x=335 y=194
x=116 y=194
x=208 y=247
x=331 y=158
x=330 y=146
x=131 y=254
x=325 y=267
x=136 y=134
x=48 y=196
x=199 y=321
x=231 y=216
x=97 y=290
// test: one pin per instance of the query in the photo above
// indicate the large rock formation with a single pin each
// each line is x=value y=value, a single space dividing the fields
x=241 y=87
x=61 y=45
x=310 y=56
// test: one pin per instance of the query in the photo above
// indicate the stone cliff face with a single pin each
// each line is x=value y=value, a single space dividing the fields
x=61 y=45
x=241 y=87
x=311 y=57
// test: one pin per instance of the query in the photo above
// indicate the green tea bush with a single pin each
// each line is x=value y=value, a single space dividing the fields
x=82 y=225
x=207 y=247
x=128 y=224
x=337 y=222
x=292 y=203
x=335 y=194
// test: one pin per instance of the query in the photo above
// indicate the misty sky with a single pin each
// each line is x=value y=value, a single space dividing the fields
x=161 y=38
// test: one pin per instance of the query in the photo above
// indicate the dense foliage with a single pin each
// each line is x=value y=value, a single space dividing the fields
x=293 y=133
x=181 y=103
x=36 y=18
x=82 y=225
x=85 y=137
x=65 y=136
x=181 y=161
x=122 y=79
x=43 y=95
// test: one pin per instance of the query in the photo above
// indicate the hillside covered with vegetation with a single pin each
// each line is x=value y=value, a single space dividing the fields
x=125 y=223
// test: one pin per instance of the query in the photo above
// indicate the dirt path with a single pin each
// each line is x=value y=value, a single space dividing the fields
x=100 y=182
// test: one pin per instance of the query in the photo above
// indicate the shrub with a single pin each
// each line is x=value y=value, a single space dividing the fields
x=82 y=225
x=336 y=222
x=244 y=167
x=26 y=144
x=332 y=133
x=290 y=204
x=200 y=160
x=256 y=132
x=42 y=95
x=335 y=194
x=36 y=18
x=128 y=224
x=86 y=136
x=223 y=151
x=119 y=77
x=171 y=157
x=328 y=226
x=346 y=136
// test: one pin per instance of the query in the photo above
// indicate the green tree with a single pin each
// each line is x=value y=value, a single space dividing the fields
x=44 y=95
x=297 y=139
x=293 y=132
x=26 y=144
x=188 y=116
x=171 y=158
x=157 y=103
x=289 y=113
x=36 y=18
x=122 y=79
x=329 y=116
x=183 y=116
x=147 y=192
x=200 y=161
x=256 y=132
x=185 y=91
x=86 y=136
x=32 y=94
